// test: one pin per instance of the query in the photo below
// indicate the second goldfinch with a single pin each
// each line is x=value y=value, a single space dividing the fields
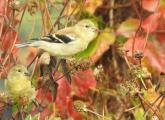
x=67 y=41
x=18 y=84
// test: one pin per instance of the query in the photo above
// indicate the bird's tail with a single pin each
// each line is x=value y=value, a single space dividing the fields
x=21 y=45
x=27 y=44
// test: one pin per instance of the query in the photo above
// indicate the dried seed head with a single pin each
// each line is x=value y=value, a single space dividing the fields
x=32 y=7
x=154 y=117
x=128 y=87
x=99 y=73
x=44 y=59
x=24 y=101
x=78 y=65
x=138 y=54
x=140 y=73
x=79 y=106
x=3 y=96
x=15 y=5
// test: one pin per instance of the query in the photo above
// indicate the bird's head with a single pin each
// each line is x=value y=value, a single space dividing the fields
x=88 y=28
x=18 y=70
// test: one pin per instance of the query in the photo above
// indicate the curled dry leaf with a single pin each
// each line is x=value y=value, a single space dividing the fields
x=105 y=39
x=128 y=27
x=152 y=56
x=45 y=58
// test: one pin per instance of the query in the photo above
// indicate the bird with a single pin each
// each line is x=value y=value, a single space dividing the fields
x=67 y=41
x=18 y=84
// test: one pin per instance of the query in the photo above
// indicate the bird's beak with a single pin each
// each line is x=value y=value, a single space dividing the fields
x=27 y=74
x=97 y=30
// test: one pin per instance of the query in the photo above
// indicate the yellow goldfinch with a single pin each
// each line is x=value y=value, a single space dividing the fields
x=67 y=41
x=18 y=85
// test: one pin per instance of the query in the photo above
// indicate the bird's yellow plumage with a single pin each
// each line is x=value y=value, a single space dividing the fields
x=18 y=84
x=67 y=41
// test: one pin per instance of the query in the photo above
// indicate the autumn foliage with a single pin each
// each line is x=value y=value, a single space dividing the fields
x=121 y=75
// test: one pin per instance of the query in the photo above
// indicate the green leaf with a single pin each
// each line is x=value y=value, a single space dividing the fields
x=128 y=27
x=29 y=117
x=14 y=107
x=35 y=76
x=89 y=51
x=106 y=35
x=139 y=114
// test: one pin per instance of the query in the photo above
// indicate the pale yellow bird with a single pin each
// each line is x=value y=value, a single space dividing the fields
x=67 y=41
x=18 y=84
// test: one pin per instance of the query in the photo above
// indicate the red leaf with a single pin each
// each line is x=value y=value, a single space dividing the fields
x=161 y=27
x=44 y=94
x=2 y=6
x=151 y=22
x=150 y=5
x=155 y=57
x=63 y=93
x=84 y=80
x=8 y=39
x=75 y=115
x=45 y=114
x=139 y=44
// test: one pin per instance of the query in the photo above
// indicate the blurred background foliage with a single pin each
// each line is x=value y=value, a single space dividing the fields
x=120 y=76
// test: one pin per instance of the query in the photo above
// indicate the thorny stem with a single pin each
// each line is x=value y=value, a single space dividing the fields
x=150 y=25
x=81 y=9
x=35 y=65
x=127 y=110
x=33 y=27
x=15 y=39
x=144 y=85
x=32 y=61
x=144 y=101
x=95 y=113
x=58 y=18
x=161 y=101
x=111 y=14
x=139 y=15
x=152 y=105
x=126 y=60
x=64 y=74
x=2 y=25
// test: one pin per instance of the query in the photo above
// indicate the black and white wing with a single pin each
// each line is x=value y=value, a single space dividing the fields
x=57 y=38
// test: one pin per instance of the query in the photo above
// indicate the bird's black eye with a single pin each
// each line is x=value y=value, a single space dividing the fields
x=19 y=70
x=87 y=26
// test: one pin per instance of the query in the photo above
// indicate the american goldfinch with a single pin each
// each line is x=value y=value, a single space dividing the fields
x=67 y=41
x=18 y=85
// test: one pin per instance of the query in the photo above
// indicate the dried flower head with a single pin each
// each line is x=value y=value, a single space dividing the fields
x=138 y=54
x=78 y=65
x=32 y=7
x=15 y=5
x=128 y=87
x=140 y=73
x=44 y=59
x=3 y=96
x=99 y=73
x=79 y=106
x=24 y=101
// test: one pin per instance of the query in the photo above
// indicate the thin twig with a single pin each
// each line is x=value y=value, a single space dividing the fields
x=155 y=111
x=59 y=17
x=150 y=25
x=152 y=105
x=139 y=27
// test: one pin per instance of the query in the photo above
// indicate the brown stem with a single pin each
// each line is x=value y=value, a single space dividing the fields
x=58 y=18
